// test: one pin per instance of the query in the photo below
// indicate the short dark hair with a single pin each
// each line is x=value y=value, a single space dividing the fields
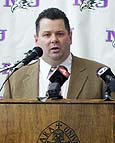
x=52 y=13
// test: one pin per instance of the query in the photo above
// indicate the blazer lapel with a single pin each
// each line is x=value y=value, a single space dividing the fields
x=31 y=82
x=78 y=78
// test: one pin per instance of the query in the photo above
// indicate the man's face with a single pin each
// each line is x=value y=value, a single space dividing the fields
x=54 y=39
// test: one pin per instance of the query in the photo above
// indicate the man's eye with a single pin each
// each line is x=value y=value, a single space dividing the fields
x=60 y=34
x=47 y=35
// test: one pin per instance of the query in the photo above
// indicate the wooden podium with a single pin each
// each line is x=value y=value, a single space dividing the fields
x=60 y=121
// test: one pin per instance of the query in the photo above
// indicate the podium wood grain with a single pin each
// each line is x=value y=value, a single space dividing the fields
x=22 y=121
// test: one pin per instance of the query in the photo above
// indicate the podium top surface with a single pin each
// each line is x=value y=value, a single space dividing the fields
x=62 y=101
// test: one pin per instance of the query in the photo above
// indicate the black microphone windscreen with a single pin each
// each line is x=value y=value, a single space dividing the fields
x=103 y=72
x=39 y=51
x=60 y=75
x=36 y=52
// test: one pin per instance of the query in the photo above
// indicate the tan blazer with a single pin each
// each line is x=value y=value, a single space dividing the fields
x=84 y=84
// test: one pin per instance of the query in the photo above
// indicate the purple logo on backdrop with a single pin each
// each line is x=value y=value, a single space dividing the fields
x=90 y=4
x=111 y=37
x=21 y=4
x=5 y=65
x=2 y=34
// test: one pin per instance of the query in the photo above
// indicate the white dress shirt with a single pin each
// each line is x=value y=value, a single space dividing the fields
x=44 y=81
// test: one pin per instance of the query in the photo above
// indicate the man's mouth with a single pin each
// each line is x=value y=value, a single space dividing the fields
x=55 y=49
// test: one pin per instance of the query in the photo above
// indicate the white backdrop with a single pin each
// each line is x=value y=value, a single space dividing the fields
x=93 y=26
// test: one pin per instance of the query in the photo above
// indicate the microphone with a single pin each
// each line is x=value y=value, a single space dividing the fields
x=34 y=54
x=105 y=73
x=57 y=79
x=109 y=78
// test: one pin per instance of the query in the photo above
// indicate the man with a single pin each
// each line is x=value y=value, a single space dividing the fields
x=54 y=36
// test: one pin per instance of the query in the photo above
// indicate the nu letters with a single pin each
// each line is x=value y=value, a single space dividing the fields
x=9 y=3
x=2 y=34
x=101 y=4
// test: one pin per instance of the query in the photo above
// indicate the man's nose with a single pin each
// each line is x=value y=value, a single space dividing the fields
x=54 y=39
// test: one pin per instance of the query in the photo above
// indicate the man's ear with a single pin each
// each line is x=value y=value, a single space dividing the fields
x=70 y=37
x=36 y=40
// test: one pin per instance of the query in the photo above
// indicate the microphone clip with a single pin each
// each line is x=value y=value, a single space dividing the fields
x=107 y=94
x=54 y=91
x=110 y=87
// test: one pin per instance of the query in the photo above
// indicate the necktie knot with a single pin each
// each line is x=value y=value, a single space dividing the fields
x=51 y=70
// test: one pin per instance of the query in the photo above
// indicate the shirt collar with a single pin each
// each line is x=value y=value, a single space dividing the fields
x=67 y=62
x=45 y=67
